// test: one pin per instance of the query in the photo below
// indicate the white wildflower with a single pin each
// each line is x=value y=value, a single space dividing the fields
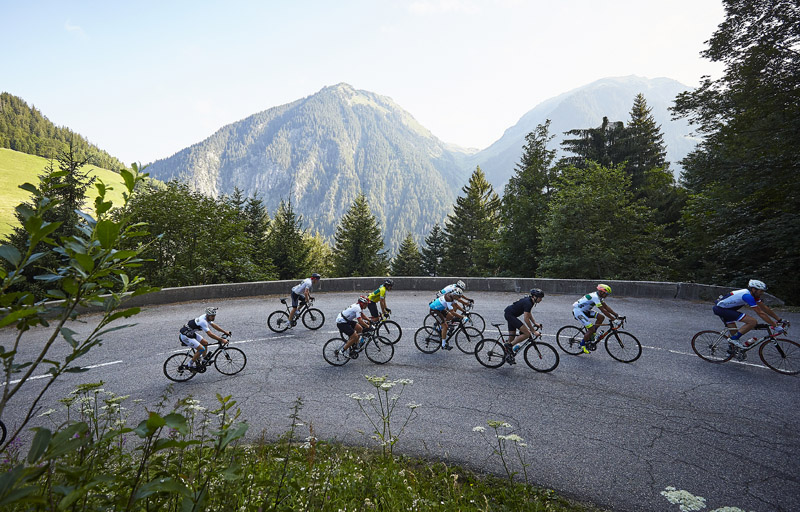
x=687 y=501
x=412 y=405
x=478 y=429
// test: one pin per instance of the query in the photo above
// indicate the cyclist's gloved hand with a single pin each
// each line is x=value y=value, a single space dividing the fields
x=778 y=329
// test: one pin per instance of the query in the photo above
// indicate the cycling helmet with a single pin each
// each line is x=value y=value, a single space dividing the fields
x=536 y=292
x=457 y=292
x=461 y=284
x=758 y=285
x=211 y=311
x=388 y=282
x=315 y=276
x=604 y=288
x=363 y=299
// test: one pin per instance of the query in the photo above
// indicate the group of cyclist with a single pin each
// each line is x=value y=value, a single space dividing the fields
x=451 y=304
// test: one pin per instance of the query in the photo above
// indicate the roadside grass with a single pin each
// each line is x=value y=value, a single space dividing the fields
x=17 y=168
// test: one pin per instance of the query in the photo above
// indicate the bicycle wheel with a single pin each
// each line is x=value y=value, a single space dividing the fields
x=2 y=433
x=490 y=353
x=379 y=350
x=541 y=356
x=313 y=318
x=230 y=360
x=569 y=339
x=332 y=352
x=176 y=367
x=623 y=346
x=781 y=355
x=428 y=340
x=278 y=321
x=475 y=320
x=711 y=346
x=467 y=338
x=390 y=331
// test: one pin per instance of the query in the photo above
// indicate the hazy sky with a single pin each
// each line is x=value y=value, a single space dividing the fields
x=143 y=80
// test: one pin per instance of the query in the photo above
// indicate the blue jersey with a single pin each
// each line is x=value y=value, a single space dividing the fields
x=737 y=299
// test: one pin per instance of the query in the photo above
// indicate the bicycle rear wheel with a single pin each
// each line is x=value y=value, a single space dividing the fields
x=2 y=433
x=711 y=346
x=541 y=356
x=475 y=320
x=332 y=352
x=781 y=355
x=176 y=367
x=428 y=339
x=379 y=350
x=467 y=338
x=430 y=321
x=623 y=346
x=490 y=353
x=230 y=360
x=569 y=339
x=278 y=321
x=313 y=318
x=390 y=330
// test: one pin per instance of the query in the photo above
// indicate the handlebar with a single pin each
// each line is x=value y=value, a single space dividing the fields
x=618 y=322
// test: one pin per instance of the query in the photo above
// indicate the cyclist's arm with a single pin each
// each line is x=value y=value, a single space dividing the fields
x=214 y=336
x=610 y=313
x=363 y=320
x=307 y=293
x=527 y=317
x=765 y=312
x=383 y=305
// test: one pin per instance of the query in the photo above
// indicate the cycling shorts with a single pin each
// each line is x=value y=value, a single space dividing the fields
x=514 y=323
x=192 y=342
x=296 y=299
x=728 y=315
x=373 y=309
x=347 y=328
x=584 y=317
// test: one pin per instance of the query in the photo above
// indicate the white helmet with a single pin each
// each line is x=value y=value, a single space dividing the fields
x=211 y=311
x=461 y=284
x=457 y=292
x=758 y=285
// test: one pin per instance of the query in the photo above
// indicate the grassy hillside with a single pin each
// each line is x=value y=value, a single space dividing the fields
x=17 y=168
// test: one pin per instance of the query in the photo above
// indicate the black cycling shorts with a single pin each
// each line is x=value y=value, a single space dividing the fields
x=514 y=323
x=347 y=328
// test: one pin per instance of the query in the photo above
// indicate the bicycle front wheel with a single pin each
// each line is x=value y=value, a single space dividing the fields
x=467 y=338
x=623 y=346
x=781 y=355
x=711 y=346
x=230 y=360
x=379 y=350
x=278 y=321
x=176 y=367
x=333 y=353
x=541 y=356
x=569 y=339
x=475 y=320
x=390 y=330
x=313 y=319
x=490 y=353
x=428 y=340
x=2 y=433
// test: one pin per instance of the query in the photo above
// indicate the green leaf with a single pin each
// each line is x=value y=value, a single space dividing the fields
x=10 y=254
x=85 y=261
x=129 y=179
x=68 y=335
x=30 y=188
x=107 y=233
x=17 y=314
x=177 y=421
x=39 y=444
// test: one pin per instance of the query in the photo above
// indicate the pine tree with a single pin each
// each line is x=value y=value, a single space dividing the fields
x=408 y=261
x=604 y=145
x=645 y=144
x=287 y=245
x=433 y=252
x=257 y=224
x=524 y=205
x=471 y=230
x=358 y=248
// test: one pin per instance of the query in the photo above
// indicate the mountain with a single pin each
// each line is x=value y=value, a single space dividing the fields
x=320 y=152
x=585 y=107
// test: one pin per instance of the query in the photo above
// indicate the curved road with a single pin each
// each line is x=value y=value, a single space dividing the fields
x=598 y=430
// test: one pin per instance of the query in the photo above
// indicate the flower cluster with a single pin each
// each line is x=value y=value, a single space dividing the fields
x=687 y=501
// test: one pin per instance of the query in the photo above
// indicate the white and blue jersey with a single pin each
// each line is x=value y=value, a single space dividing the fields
x=737 y=299
x=450 y=288
x=440 y=304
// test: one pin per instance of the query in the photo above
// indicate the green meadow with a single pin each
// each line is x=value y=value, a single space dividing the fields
x=17 y=168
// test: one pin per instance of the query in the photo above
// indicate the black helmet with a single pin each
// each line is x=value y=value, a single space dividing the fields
x=536 y=292
x=315 y=276
x=388 y=282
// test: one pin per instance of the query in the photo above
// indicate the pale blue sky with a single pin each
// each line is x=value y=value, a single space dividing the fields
x=145 y=79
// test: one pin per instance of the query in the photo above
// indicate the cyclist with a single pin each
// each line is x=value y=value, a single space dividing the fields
x=460 y=285
x=379 y=296
x=727 y=308
x=582 y=311
x=352 y=321
x=444 y=308
x=302 y=293
x=522 y=307
x=191 y=334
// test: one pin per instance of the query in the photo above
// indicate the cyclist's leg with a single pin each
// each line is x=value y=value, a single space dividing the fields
x=514 y=323
x=373 y=311
x=196 y=345
x=295 y=302
x=730 y=317
x=354 y=331
x=598 y=321
x=749 y=324
x=525 y=333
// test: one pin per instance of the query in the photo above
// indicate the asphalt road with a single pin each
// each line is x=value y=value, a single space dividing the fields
x=611 y=433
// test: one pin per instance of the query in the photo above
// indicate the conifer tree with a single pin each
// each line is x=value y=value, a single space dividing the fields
x=645 y=144
x=287 y=245
x=604 y=145
x=408 y=261
x=358 y=248
x=433 y=252
x=471 y=230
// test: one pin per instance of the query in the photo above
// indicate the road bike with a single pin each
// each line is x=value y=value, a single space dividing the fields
x=471 y=319
x=226 y=359
x=389 y=329
x=313 y=318
x=622 y=346
x=778 y=354
x=378 y=349
x=540 y=356
x=428 y=339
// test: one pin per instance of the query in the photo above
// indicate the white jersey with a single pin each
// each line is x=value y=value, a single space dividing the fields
x=350 y=314
x=587 y=302
x=304 y=285
x=202 y=323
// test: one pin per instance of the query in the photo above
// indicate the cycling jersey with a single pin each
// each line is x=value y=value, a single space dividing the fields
x=448 y=289
x=737 y=299
x=304 y=285
x=199 y=324
x=350 y=314
x=378 y=294
x=587 y=302
x=440 y=304
x=523 y=305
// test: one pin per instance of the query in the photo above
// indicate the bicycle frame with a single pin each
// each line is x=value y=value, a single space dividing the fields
x=530 y=339
x=301 y=307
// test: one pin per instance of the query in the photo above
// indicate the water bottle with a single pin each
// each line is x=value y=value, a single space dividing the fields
x=361 y=342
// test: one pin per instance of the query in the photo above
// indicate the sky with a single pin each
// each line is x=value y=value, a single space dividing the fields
x=144 y=79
